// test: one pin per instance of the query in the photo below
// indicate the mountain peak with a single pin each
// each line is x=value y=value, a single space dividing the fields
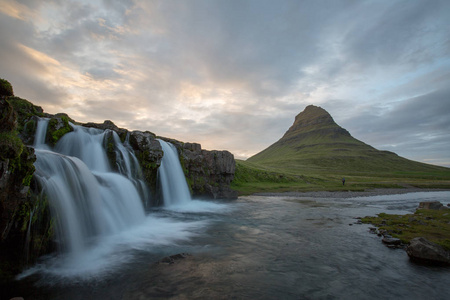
x=313 y=119
x=316 y=143
x=312 y=116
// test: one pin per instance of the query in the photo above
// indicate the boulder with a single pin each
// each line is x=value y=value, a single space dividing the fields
x=391 y=241
x=420 y=249
x=436 y=205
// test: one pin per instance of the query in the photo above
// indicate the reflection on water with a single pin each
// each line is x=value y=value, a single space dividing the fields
x=261 y=248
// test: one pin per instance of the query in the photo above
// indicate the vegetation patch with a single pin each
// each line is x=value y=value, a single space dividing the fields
x=11 y=145
x=25 y=110
x=6 y=88
x=434 y=225
x=57 y=128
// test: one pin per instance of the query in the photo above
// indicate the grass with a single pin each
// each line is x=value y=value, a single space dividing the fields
x=253 y=177
x=433 y=225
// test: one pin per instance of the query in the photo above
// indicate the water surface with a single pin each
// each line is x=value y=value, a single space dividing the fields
x=254 y=248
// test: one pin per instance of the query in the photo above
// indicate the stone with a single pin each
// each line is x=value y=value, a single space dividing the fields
x=430 y=205
x=421 y=249
x=209 y=173
x=391 y=241
x=172 y=258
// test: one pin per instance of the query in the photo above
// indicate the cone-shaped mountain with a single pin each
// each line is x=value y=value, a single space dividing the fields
x=316 y=142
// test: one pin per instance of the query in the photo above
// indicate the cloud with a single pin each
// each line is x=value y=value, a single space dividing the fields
x=234 y=74
x=417 y=127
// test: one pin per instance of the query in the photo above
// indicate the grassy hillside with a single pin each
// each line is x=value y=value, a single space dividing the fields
x=315 y=153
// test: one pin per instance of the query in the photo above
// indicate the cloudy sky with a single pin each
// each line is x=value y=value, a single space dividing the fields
x=233 y=74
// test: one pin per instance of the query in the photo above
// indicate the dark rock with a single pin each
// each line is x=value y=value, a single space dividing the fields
x=421 y=249
x=149 y=153
x=391 y=241
x=436 y=205
x=208 y=173
x=108 y=125
x=8 y=116
x=172 y=258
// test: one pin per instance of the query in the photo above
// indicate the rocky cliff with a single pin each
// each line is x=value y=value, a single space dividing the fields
x=25 y=223
x=208 y=173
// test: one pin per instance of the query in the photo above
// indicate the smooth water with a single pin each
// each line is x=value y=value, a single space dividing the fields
x=254 y=248
x=175 y=190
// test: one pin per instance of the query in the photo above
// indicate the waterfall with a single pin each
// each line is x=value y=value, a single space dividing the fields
x=128 y=165
x=87 y=199
x=174 y=187
x=41 y=130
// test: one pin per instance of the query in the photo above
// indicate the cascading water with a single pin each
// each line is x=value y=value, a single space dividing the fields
x=97 y=208
x=87 y=198
x=41 y=130
x=175 y=190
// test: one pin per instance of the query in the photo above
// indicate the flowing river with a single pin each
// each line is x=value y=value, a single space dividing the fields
x=257 y=247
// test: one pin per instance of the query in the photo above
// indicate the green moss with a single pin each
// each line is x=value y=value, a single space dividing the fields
x=6 y=88
x=149 y=168
x=25 y=110
x=30 y=127
x=110 y=148
x=54 y=133
x=11 y=146
x=433 y=225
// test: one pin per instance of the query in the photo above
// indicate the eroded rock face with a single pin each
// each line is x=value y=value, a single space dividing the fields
x=421 y=249
x=22 y=238
x=107 y=124
x=208 y=173
x=149 y=153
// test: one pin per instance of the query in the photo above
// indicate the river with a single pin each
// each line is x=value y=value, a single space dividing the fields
x=257 y=247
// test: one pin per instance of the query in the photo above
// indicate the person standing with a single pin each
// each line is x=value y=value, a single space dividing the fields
x=343 y=180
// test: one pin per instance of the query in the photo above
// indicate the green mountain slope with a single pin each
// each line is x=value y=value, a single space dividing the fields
x=315 y=144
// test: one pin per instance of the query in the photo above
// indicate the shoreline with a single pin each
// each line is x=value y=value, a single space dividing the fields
x=351 y=194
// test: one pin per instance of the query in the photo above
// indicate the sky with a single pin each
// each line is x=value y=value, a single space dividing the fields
x=233 y=74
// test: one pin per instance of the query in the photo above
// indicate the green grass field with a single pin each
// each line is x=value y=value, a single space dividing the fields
x=253 y=178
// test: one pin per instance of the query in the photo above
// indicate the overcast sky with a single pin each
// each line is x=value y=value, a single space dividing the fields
x=233 y=74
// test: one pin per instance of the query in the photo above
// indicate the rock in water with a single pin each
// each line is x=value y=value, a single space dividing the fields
x=435 y=205
x=391 y=241
x=421 y=249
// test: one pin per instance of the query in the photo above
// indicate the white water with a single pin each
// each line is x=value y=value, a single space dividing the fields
x=39 y=139
x=88 y=200
x=100 y=218
x=175 y=190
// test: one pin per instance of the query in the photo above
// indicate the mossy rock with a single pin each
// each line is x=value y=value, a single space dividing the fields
x=110 y=148
x=58 y=126
x=8 y=117
x=25 y=111
x=11 y=146
x=434 y=225
x=6 y=88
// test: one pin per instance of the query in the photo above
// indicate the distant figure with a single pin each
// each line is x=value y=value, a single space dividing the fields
x=343 y=180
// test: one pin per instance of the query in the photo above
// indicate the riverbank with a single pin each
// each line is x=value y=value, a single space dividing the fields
x=351 y=194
